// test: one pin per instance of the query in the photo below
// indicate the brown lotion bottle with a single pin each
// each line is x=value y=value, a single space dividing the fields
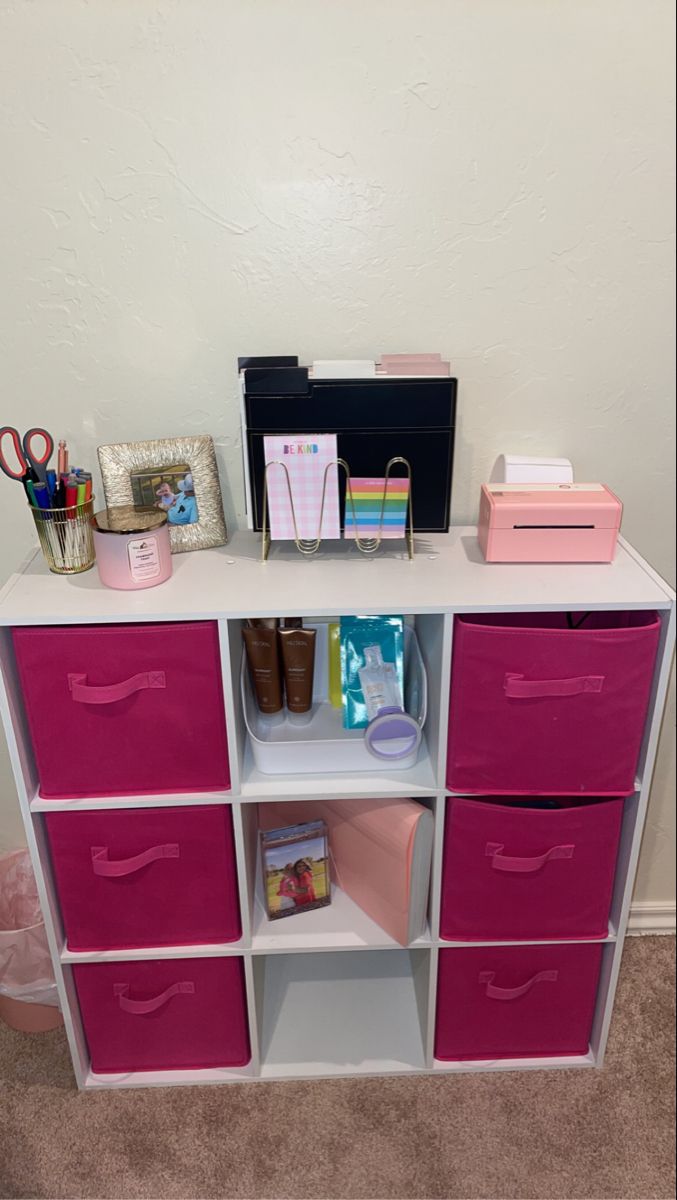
x=260 y=639
x=298 y=659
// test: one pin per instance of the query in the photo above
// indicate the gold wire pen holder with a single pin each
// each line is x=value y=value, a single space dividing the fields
x=66 y=537
x=310 y=546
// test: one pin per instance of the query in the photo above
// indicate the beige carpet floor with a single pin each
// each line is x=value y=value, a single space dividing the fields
x=573 y=1134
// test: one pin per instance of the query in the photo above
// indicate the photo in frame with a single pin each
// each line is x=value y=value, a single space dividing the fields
x=177 y=475
x=295 y=865
x=170 y=489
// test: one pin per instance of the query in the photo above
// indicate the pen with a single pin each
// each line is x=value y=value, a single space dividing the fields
x=62 y=459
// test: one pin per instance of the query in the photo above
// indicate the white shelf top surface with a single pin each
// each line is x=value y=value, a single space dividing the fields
x=342 y=925
x=143 y=953
x=448 y=573
x=418 y=780
x=561 y=1063
x=188 y=1078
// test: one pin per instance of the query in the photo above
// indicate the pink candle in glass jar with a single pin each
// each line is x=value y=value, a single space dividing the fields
x=132 y=547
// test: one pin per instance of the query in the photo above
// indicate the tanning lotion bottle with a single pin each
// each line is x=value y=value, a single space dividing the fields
x=263 y=656
x=298 y=659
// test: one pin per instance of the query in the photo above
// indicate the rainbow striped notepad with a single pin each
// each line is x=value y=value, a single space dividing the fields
x=367 y=505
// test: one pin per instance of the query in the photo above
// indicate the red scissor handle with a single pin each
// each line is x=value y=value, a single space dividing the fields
x=38 y=460
x=20 y=470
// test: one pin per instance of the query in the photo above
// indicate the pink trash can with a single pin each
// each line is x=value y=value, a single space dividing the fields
x=528 y=870
x=500 y=1002
x=145 y=876
x=169 y=1014
x=119 y=710
x=540 y=708
x=28 y=993
x=29 y=1018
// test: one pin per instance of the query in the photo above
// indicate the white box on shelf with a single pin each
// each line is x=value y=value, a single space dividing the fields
x=286 y=748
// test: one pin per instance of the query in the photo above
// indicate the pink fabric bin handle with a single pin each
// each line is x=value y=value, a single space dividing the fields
x=83 y=693
x=524 y=866
x=140 y=1008
x=516 y=687
x=499 y=993
x=101 y=864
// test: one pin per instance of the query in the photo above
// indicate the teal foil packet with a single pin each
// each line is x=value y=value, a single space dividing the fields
x=357 y=633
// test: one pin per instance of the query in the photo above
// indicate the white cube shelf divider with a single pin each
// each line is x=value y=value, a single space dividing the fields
x=328 y=993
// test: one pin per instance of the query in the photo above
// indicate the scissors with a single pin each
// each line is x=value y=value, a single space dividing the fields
x=31 y=464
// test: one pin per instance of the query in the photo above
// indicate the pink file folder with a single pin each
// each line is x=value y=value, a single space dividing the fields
x=380 y=851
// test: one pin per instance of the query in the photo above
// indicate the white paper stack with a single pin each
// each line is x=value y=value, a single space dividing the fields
x=344 y=368
x=522 y=468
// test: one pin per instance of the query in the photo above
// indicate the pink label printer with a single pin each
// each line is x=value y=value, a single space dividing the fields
x=549 y=522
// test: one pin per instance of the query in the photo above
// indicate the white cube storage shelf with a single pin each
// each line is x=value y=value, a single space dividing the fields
x=328 y=993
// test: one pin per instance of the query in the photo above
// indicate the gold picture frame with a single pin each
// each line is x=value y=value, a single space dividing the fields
x=119 y=462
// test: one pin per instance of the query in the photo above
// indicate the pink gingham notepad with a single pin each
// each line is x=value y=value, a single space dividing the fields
x=306 y=457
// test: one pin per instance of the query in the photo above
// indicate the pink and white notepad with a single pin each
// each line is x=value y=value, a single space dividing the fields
x=306 y=457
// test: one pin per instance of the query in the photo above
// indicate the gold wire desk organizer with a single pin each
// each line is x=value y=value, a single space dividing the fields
x=309 y=546
x=66 y=537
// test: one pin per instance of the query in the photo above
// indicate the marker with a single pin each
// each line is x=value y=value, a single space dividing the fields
x=30 y=488
x=41 y=495
x=81 y=492
x=51 y=482
x=71 y=497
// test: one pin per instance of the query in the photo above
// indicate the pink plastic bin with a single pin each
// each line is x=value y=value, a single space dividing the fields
x=541 y=708
x=118 y=710
x=183 y=1013
x=516 y=871
x=145 y=876
x=516 y=1001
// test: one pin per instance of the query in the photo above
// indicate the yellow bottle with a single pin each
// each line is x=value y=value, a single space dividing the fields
x=334 y=642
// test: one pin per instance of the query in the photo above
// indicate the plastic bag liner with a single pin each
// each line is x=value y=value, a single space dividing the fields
x=25 y=964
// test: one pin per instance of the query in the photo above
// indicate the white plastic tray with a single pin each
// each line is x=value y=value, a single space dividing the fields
x=322 y=744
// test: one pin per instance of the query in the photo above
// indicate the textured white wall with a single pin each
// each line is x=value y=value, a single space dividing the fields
x=185 y=181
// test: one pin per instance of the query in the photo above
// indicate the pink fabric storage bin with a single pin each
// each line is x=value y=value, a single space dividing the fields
x=182 y=1014
x=118 y=710
x=541 y=708
x=516 y=1001
x=145 y=876
x=515 y=871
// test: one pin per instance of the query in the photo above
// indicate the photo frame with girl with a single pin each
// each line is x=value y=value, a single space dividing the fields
x=295 y=866
x=178 y=475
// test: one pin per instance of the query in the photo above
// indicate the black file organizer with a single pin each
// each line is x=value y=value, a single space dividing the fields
x=375 y=420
